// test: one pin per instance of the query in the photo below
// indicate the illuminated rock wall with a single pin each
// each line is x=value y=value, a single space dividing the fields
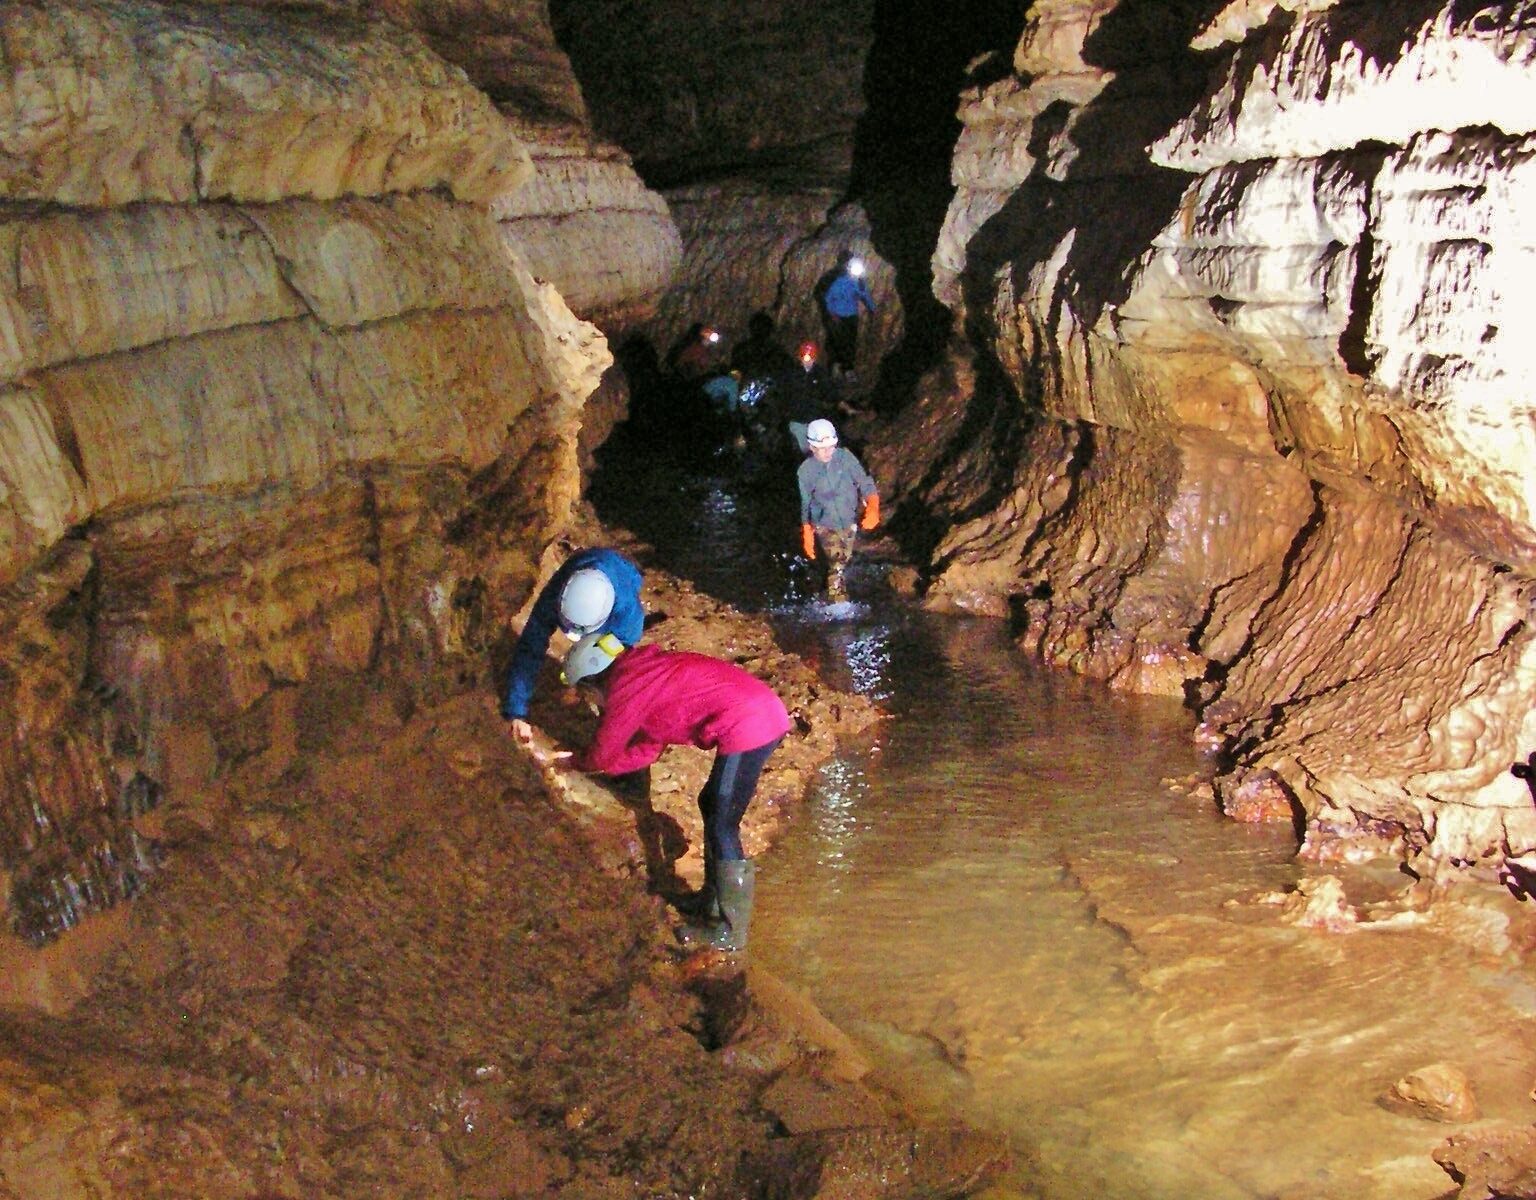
x=278 y=397
x=1250 y=417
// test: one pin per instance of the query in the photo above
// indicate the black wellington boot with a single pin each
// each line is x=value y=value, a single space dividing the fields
x=736 y=884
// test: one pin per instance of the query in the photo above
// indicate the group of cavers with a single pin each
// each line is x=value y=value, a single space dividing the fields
x=648 y=698
x=757 y=391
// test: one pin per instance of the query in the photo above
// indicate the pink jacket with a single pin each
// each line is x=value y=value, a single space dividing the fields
x=659 y=698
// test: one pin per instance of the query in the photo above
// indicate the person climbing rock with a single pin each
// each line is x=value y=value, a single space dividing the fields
x=842 y=297
x=652 y=698
x=594 y=591
x=837 y=499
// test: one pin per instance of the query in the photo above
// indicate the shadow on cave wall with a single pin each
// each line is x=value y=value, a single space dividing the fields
x=1110 y=207
x=1111 y=216
x=903 y=144
x=1158 y=81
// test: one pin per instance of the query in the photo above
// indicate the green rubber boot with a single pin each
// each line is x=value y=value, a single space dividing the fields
x=734 y=885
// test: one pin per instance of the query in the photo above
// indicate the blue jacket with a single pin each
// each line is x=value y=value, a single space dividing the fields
x=845 y=294
x=626 y=622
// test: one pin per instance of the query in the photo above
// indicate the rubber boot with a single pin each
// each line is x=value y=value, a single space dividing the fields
x=734 y=886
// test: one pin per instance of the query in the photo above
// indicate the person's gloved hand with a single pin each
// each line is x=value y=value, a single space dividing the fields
x=871 y=516
x=808 y=540
x=521 y=731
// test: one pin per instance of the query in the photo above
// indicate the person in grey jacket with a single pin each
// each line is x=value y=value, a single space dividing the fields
x=837 y=498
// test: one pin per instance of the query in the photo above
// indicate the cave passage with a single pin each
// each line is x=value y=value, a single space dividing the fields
x=1000 y=895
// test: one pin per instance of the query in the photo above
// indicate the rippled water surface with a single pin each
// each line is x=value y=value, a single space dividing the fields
x=998 y=895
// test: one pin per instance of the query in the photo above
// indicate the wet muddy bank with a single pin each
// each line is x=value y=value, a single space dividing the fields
x=391 y=959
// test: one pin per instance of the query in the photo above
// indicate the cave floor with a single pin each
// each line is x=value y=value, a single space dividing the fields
x=389 y=957
x=1018 y=900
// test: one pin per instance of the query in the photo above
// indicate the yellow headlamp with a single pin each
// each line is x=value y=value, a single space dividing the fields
x=590 y=656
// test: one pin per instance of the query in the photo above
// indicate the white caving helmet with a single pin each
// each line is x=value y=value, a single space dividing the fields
x=591 y=656
x=855 y=267
x=586 y=600
x=821 y=432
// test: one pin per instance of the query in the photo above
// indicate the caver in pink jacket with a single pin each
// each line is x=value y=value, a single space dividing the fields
x=658 y=698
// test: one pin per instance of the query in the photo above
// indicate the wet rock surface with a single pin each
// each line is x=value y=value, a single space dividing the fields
x=392 y=959
x=1235 y=420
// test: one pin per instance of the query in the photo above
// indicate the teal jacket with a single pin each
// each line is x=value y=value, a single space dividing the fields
x=832 y=493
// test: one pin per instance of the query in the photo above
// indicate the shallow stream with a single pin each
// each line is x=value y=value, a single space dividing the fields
x=1000 y=896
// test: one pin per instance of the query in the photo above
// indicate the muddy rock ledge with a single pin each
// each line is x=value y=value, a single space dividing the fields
x=386 y=957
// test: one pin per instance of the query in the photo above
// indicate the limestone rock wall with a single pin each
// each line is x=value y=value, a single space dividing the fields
x=1249 y=417
x=582 y=219
x=745 y=120
x=277 y=399
x=586 y=224
x=748 y=248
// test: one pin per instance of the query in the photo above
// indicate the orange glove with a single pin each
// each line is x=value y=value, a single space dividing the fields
x=871 y=516
x=808 y=540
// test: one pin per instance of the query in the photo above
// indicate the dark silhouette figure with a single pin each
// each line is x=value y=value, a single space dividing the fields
x=804 y=395
x=1519 y=879
x=759 y=355
x=842 y=295
x=697 y=354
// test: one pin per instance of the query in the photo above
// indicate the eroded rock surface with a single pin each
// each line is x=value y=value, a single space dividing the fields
x=1251 y=410
x=297 y=408
x=745 y=119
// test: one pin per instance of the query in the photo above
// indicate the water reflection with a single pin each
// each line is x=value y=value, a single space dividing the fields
x=997 y=894
x=841 y=792
x=999 y=898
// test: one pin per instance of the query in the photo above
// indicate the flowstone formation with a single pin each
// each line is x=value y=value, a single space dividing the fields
x=1249 y=415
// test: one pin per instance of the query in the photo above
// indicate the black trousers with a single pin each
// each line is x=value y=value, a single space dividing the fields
x=843 y=340
x=723 y=802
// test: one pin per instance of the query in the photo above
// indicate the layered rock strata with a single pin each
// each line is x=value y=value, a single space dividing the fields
x=584 y=222
x=278 y=400
x=1249 y=419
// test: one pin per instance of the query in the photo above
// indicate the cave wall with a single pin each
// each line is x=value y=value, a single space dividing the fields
x=745 y=120
x=280 y=398
x=1245 y=415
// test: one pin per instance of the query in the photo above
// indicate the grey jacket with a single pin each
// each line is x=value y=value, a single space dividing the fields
x=832 y=493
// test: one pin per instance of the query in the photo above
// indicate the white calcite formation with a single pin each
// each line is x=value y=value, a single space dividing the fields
x=1267 y=279
x=278 y=396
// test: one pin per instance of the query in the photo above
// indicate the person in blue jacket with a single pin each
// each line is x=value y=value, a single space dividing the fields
x=845 y=293
x=594 y=591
